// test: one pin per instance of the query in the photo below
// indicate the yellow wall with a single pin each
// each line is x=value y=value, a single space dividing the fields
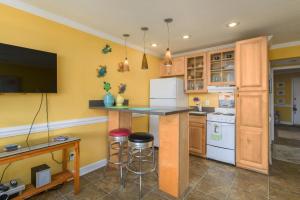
x=285 y=111
x=282 y=53
x=79 y=54
x=211 y=98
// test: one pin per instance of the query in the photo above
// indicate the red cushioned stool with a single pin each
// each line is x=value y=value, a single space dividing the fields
x=117 y=149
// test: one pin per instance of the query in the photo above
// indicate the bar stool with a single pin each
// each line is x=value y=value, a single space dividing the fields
x=141 y=150
x=117 y=142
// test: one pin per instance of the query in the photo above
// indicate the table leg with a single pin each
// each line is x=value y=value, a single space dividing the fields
x=65 y=159
x=76 y=169
x=174 y=154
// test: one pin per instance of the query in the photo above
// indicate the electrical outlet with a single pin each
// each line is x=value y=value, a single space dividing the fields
x=71 y=155
x=206 y=102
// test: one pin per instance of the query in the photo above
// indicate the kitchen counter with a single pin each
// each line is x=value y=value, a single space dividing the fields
x=143 y=109
x=173 y=134
x=204 y=111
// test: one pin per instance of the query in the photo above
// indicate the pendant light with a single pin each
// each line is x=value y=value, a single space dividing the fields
x=144 y=62
x=168 y=57
x=126 y=63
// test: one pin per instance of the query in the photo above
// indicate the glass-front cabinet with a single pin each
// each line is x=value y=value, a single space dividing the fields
x=221 y=67
x=195 y=73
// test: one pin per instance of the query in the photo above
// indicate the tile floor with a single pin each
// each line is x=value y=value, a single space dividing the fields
x=209 y=180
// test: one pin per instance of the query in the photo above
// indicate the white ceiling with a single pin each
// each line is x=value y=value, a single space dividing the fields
x=204 y=20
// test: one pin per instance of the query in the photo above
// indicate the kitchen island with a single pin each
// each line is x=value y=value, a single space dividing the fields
x=173 y=138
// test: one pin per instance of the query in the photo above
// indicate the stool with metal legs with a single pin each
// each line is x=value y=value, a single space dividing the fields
x=117 y=143
x=141 y=150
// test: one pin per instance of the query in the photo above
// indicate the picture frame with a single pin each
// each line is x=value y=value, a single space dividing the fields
x=280 y=92
x=280 y=85
x=280 y=101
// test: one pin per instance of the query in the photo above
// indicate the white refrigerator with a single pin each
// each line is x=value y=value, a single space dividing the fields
x=165 y=92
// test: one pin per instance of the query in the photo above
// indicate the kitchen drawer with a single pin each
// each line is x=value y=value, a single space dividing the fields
x=198 y=119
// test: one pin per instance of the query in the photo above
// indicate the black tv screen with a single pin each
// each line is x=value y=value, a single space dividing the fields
x=24 y=70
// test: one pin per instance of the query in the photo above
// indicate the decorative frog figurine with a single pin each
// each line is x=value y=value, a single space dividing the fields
x=107 y=49
x=101 y=71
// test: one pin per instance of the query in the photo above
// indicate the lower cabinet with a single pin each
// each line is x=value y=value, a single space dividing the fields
x=197 y=131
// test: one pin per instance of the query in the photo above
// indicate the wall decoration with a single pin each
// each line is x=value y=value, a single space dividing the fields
x=101 y=71
x=280 y=92
x=107 y=49
x=121 y=67
x=280 y=85
x=280 y=101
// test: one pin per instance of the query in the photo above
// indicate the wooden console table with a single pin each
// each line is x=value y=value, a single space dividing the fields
x=45 y=148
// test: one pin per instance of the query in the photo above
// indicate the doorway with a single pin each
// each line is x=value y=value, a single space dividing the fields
x=285 y=112
x=296 y=101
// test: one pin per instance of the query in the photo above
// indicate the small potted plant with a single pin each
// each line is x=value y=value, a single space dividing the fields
x=108 y=97
x=197 y=101
x=120 y=98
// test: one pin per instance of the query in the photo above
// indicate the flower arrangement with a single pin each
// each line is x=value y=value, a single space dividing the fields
x=122 y=88
x=197 y=101
x=120 y=99
x=107 y=86
x=108 y=97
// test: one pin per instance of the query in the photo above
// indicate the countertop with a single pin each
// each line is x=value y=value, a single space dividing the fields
x=163 y=110
x=204 y=111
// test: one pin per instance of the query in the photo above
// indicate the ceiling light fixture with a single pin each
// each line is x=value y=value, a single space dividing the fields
x=144 y=62
x=186 y=37
x=232 y=24
x=126 y=63
x=154 y=45
x=168 y=57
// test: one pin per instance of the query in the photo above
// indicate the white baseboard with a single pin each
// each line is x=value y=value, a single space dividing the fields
x=92 y=167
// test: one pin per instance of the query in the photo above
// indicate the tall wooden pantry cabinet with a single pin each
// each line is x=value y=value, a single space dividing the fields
x=252 y=143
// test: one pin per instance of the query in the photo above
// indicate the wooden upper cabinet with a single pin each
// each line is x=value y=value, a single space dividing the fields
x=195 y=74
x=252 y=64
x=177 y=69
x=221 y=67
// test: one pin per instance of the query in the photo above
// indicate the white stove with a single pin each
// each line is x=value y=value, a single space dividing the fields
x=226 y=115
x=221 y=135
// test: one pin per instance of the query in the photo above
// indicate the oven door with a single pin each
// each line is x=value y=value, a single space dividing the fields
x=221 y=134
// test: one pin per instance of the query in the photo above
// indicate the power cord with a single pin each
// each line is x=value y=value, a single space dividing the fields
x=30 y=129
x=48 y=131
x=2 y=175
x=32 y=123
x=27 y=138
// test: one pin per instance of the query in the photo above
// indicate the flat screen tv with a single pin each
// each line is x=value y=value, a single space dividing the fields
x=24 y=70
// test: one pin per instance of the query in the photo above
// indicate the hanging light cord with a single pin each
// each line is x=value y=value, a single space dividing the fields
x=126 y=47
x=144 y=41
x=168 y=35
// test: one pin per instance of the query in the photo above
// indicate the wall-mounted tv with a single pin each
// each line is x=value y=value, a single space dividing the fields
x=24 y=70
